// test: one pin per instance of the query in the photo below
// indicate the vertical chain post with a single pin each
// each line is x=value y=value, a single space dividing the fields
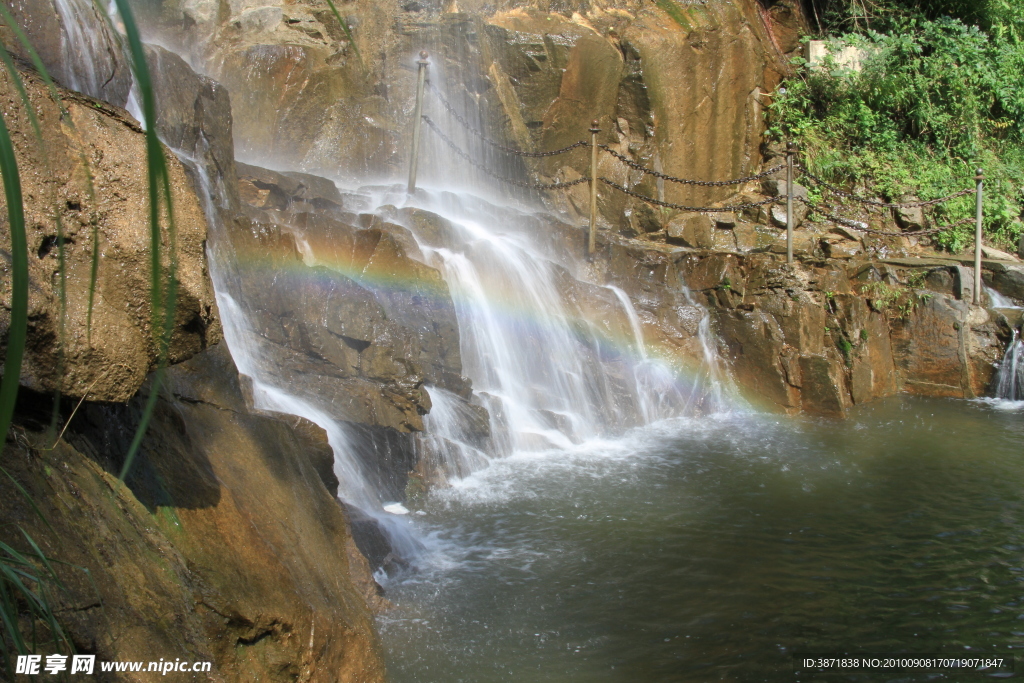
x=591 y=241
x=789 y=201
x=417 y=118
x=980 y=180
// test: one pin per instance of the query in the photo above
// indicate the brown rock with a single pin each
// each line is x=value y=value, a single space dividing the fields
x=824 y=386
x=755 y=345
x=929 y=348
x=693 y=230
x=804 y=327
x=842 y=249
x=191 y=556
x=910 y=219
x=746 y=237
x=1009 y=281
x=110 y=361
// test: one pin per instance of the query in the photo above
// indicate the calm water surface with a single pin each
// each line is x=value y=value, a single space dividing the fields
x=712 y=549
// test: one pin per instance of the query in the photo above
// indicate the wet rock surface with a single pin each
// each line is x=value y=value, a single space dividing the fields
x=222 y=545
x=340 y=305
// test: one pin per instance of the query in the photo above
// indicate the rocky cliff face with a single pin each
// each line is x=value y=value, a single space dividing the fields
x=820 y=337
x=676 y=85
x=226 y=543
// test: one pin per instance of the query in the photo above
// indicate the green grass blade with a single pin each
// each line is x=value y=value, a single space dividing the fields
x=19 y=85
x=162 y=300
x=44 y=559
x=19 y=279
x=37 y=62
x=347 y=30
x=33 y=56
x=28 y=497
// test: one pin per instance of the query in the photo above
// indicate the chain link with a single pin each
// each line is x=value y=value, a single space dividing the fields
x=856 y=225
x=873 y=202
x=701 y=209
x=826 y=211
x=704 y=183
x=497 y=145
x=519 y=183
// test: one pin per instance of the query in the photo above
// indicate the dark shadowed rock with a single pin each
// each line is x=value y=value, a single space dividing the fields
x=222 y=545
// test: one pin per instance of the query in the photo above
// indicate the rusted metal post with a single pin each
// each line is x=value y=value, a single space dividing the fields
x=417 y=117
x=592 y=240
x=789 y=201
x=980 y=179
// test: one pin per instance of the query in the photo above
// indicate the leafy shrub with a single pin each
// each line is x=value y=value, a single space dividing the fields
x=936 y=99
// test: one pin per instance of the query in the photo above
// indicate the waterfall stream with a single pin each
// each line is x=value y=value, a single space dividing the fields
x=550 y=378
x=1009 y=382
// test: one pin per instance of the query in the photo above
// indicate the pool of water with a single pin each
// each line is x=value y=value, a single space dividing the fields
x=713 y=549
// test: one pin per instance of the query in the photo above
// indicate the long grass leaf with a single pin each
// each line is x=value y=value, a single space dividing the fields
x=28 y=497
x=162 y=302
x=34 y=57
x=37 y=62
x=348 y=32
x=19 y=279
x=19 y=85
x=44 y=559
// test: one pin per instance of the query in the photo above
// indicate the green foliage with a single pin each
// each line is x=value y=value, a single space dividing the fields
x=19 y=279
x=936 y=99
x=839 y=16
x=896 y=299
x=846 y=348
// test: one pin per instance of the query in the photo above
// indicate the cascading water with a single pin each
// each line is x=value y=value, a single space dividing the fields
x=549 y=376
x=1009 y=382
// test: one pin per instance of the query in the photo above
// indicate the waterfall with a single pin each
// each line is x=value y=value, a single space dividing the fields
x=1009 y=382
x=547 y=372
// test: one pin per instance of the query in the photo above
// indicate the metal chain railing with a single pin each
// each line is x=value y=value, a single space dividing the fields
x=874 y=202
x=792 y=164
x=704 y=183
x=861 y=227
x=701 y=209
x=493 y=143
x=481 y=167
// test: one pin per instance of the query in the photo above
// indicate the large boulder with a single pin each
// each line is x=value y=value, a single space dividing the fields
x=346 y=315
x=86 y=180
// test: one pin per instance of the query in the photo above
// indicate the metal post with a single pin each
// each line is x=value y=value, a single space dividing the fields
x=980 y=179
x=789 y=202
x=415 y=157
x=591 y=242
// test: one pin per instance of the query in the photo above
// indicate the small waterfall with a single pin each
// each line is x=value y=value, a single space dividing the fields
x=93 y=58
x=998 y=300
x=1009 y=382
x=549 y=375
